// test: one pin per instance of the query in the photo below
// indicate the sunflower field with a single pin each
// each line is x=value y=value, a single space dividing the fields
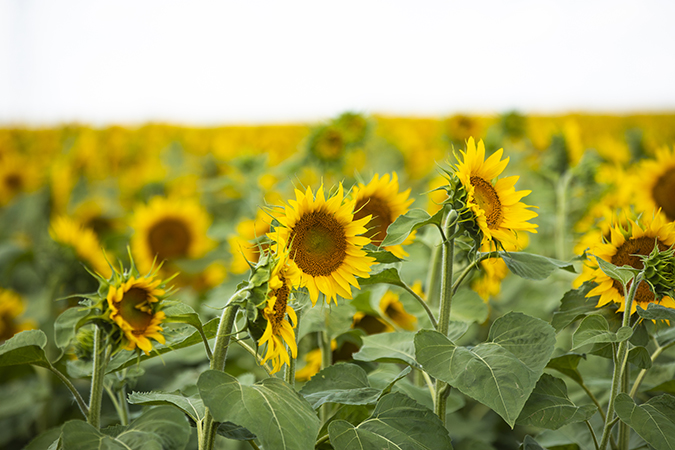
x=368 y=282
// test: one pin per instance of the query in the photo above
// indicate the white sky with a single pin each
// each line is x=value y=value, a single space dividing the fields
x=207 y=62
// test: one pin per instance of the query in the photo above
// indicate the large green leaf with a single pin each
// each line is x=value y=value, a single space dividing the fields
x=574 y=305
x=530 y=444
x=79 y=435
x=594 y=329
x=640 y=357
x=467 y=306
x=501 y=373
x=398 y=422
x=272 y=410
x=654 y=421
x=396 y=347
x=26 y=347
x=550 y=407
x=407 y=223
x=567 y=364
x=533 y=267
x=656 y=312
x=346 y=384
x=193 y=406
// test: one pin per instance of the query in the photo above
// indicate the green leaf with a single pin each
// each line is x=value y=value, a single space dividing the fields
x=654 y=421
x=79 y=435
x=502 y=373
x=193 y=406
x=656 y=312
x=621 y=274
x=382 y=256
x=164 y=425
x=533 y=267
x=179 y=312
x=235 y=432
x=398 y=422
x=387 y=276
x=26 y=347
x=45 y=439
x=396 y=347
x=407 y=223
x=346 y=384
x=595 y=329
x=335 y=320
x=530 y=444
x=272 y=410
x=574 y=305
x=467 y=306
x=550 y=407
x=567 y=364
x=67 y=324
x=640 y=357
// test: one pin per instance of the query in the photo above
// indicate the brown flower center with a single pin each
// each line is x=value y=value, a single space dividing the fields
x=280 y=305
x=169 y=238
x=130 y=309
x=625 y=256
x=664 y=193
x=13 y=182
x=487 y=199
x=381 y=217
x=318 y=243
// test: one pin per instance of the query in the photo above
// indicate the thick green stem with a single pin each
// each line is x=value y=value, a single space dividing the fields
x=99 y=364
x=624 y=429
x=207 y=436
x=433 y=284
x=424 y=304
x=326 y=360
x=442 y=388
x=289 y=374
x=620 y=362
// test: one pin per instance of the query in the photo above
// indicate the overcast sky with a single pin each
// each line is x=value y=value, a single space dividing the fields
x=208 y=62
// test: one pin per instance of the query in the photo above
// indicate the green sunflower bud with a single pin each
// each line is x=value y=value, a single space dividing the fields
x=659 y=272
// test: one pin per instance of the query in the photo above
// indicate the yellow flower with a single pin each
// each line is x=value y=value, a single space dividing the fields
x=324 y=243
x=18 y=174
x=133 y=307
x=242 y=246
x=381 y=201
x=623 y=249
x=655 y=186
x=313 y=363
x=83 y=240
x=278 y=329
x=488 y=283
x=169 y=229
x=392 y=308
x=11 y=307
x=496 y=206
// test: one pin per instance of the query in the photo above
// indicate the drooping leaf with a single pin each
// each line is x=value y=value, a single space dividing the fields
x=343 y=383
x=382 y=256
x=574 y=305
x=396 y=347
x=621 y=274
x=654 y=421
x=45 y=439
x=398 y=422
x=656 y=312
x=501 y=373
x=272 y=410
x=193 y=406
x=165 y=425
x=550 y=407
x=407 y=223
x=26 y=347
x=530 y=444
x=640 y=357
x=387 y=276
x=67 y=324
x=533 y=267
x=467 y=306
x=567 y=364
x=594 y=329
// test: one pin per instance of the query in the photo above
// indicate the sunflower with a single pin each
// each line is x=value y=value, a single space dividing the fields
x=655 y=185
x=168 y=230
x=11 y=307
x=313 y=363
x=325 y=243
x=381 y=200
x=17 y=175
x=392 y=308
x=625 y=248
x=83 y=240
x=496 y=206
x=278 y=329
x=133 y=306
x=243 y=247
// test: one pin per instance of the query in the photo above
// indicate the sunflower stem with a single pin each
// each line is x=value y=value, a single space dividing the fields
x=99 y=364
x=620 y=362
x=561 y=214
x=433 y=277
x=78 y=398
x=624 y=429
x=449 y=225
x=424 y=304
x=326 y=360
x=207 y=437
x=469 y=268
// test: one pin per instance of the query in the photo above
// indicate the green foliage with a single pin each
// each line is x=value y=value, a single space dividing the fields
x=594 y=329
x=26 y=347
x=346 y=384
x=656 y=312
x=409 y=222
x=396 y=347
x=467 y=306
x=533 y=267
x=573 y=306
x=397 y=422
x=654 y=421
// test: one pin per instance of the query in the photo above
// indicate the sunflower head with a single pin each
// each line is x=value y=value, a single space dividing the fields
x=655 y=184
x=324 y=242
x=83 y=241
x=11 y=308
x=648 y=242
x=383 y=203
x=392 y=308
x=494 y=203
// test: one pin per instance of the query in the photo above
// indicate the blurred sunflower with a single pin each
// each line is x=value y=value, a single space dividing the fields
x=243 y=247
x=383 y=203
x=278 y=329
x=488 y=282
x=312 y=363
x=655 y=183
x=392 y=308
x=133 y=306
x=83 y=241
x=496 y=206
x=169 y=230
x=17 y=175
x=11 y=307
x=625 y=248
x=325 y=243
